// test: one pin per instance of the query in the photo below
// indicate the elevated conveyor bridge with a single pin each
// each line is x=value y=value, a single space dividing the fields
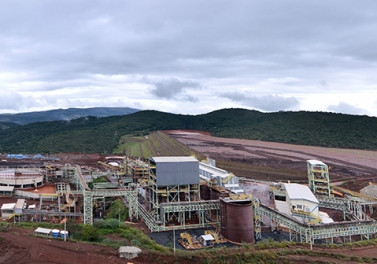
x=302 y=232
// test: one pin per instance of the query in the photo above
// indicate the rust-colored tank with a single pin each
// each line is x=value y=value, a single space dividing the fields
x=237 y=222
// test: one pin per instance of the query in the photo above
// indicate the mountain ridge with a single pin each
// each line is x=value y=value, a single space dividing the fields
x=64 y=114
x=102 y=135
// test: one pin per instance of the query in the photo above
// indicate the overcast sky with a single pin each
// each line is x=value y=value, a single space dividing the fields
x=189 y=57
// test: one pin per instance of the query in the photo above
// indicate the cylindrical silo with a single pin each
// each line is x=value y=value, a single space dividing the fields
x=237 y=221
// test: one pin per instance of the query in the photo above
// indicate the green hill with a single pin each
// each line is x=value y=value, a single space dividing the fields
x=64 y=114
x=103 y=135
x=6 y=125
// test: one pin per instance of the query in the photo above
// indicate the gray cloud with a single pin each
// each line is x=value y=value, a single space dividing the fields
x=343 y=107
x=265 y=103
x=10 y=101
x=172 y=87
x=283 y=47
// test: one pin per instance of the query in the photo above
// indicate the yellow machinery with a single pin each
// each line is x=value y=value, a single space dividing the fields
x=188 y=242
x=218 y=238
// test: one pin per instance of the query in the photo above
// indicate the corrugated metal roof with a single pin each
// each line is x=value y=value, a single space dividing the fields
x=299 y=192
x=174 y=159
x=316 y=162
x=8 y=206
x=20 y=203
x=43 y=230
x=213 y=170
x=207 y=237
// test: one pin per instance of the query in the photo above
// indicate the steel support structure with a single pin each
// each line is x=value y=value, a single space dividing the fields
x=306 y=233
x=170 y=194
x=129 y=194
x=353 y=207
x=319 y=180
x=257 y=219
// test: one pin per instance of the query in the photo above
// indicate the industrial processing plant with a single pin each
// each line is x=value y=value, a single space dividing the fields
x=181 y=193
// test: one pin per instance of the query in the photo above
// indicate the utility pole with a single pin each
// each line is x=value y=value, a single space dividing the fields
x=65 y=227
x=174 y=239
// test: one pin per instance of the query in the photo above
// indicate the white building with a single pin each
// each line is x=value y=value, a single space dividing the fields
x=21 y=178
x=7 y=210
x=301 y=200
x=222 y=178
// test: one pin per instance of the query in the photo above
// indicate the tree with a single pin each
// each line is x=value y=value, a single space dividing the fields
x=73 y=228
x=117 y=210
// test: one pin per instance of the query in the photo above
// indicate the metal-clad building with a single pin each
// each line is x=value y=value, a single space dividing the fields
x=176 y=170
x=173 y=180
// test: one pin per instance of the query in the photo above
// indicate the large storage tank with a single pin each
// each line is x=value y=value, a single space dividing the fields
x=237 y=222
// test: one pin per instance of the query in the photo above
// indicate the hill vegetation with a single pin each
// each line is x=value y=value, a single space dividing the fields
x=64 y=114
x=104 y=135
x=6 y=125
x=155 y=144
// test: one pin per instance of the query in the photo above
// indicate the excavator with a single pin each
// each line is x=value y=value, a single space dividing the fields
x=188 y=243
x=218 y=238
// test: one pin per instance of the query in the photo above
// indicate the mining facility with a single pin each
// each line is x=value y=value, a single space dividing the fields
x=182 y=193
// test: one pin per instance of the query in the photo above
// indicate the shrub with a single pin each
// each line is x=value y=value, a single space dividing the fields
x=89 y=233
x=112 y=223
x=100 y=223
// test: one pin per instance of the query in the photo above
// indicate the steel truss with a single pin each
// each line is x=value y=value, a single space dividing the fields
x=170 y=194
x=129 y=195
x=257 y=219
x=306 y=233
x=354 y=207
x=319 y=180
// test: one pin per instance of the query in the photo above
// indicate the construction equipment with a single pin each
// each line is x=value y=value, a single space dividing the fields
x=218 y=237
x=189 y=242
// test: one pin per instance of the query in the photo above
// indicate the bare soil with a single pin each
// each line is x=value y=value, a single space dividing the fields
x=19 y=246
x=279 y=161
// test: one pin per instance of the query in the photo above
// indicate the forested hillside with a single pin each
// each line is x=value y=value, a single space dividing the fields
x=64 y=114
x=6 y=125
x=103 y=134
